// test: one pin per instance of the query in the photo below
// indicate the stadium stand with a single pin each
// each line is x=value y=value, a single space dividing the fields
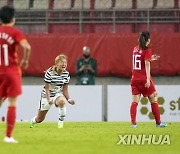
x=84 y=16
x=3 y=2
x=141 y=15
x=165 y=4
x=123 y=4
x=21 y=4
x=123 y=12
x=62 y=4
x=178 y=4
x=41 y=4
x=82 y=4
x=71 y=17
x=103 y=4
x=144 y=4
x=164 y=10
x=102 y=13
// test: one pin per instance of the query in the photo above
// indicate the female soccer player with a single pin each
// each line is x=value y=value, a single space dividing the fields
x=10 y=73
x=55 y=91
x=141 y=81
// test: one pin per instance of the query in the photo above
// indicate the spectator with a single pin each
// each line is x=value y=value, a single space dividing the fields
x=86 y=68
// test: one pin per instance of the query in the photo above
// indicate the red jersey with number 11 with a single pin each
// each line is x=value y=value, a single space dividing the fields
x=10 y=37
x=139 y=57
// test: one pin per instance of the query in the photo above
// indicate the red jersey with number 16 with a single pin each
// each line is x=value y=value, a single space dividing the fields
x=10 y=37
x=139 y=57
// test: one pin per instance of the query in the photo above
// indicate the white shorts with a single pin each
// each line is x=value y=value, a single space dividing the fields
x=44 y=105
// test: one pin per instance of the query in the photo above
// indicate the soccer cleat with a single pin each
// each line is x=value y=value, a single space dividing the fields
x=161 y=125
x=60 y=124
x=10 y=140
x=133 y=126
x=31 y=124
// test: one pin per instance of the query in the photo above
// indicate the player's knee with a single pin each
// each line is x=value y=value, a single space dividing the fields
x=153 y=97
x=60 y=103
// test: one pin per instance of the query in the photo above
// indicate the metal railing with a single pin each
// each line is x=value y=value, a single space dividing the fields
x=112 y=16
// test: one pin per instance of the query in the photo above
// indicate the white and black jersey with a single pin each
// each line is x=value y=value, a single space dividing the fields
x=56 y=81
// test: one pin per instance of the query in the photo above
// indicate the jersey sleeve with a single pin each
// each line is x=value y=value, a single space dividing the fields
x=47 y=77
x=148 y=55
x=19 y=36
x=67 y=79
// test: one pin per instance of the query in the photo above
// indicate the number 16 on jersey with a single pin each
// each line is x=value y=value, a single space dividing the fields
x=136 y=62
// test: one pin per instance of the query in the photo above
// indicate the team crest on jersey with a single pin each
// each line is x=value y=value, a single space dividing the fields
x=140 y=51
x=136 y=50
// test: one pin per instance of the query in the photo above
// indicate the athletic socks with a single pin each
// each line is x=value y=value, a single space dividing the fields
x=156 y=112
x=62 y=113
x=34 y=120
x=133 y=111
x=11 y=118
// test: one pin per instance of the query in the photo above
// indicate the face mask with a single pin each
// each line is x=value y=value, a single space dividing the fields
x=86 y=56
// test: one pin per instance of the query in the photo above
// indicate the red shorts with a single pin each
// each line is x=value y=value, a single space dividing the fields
x=10 y=84
x=138 y=87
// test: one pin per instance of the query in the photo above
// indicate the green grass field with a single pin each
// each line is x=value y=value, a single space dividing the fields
x=87 y=138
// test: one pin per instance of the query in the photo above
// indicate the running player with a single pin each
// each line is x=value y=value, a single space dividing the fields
x=55 y=91
x=10 y=74
x=141 y=81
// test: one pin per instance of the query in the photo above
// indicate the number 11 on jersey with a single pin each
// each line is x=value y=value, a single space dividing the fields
x=4 y=49
x=136 y=62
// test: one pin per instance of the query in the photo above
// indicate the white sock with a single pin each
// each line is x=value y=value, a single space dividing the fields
x=34 y=120
x=62 y=113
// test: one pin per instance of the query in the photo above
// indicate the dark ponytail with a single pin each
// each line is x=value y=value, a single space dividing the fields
x=143 y=38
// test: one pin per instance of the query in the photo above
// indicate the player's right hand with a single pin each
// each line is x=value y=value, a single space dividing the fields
x=147 y=85
x=24 y=63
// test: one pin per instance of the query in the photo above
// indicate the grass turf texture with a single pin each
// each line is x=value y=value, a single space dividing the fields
x=86 y=138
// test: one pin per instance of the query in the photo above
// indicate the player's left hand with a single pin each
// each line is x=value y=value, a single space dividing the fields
x=155 y=57
x=70 y=101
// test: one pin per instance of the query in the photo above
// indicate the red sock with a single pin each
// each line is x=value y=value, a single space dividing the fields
x=156 y=112
x=11 y=117
x=133 y=111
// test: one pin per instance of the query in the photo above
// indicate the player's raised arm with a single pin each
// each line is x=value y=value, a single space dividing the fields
x=27 y=49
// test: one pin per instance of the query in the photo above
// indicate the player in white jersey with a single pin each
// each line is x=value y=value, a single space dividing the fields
x=55 y=91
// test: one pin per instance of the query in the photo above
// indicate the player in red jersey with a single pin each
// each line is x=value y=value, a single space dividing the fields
x=10 y=74
x=141 y=81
